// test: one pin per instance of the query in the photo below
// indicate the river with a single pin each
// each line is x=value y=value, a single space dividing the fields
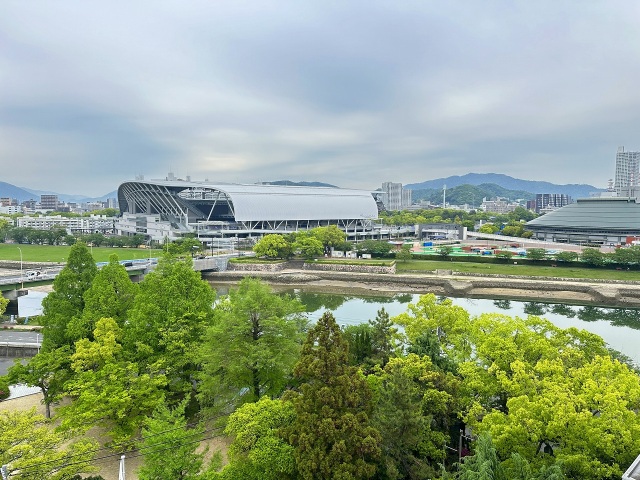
x=619 y=327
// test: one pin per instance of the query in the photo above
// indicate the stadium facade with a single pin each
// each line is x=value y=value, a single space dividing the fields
x=170 y=209
x=598 y=221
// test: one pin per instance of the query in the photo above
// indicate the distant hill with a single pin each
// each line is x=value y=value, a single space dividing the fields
x=22 y=194
x=507 y=182
x=11 y=191
x=470 y=194
x=299 y=184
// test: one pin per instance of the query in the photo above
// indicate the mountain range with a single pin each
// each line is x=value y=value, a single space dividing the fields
x=22 y=194
x=506 y=182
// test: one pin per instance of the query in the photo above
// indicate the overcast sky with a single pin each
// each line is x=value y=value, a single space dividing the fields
x=349 y=93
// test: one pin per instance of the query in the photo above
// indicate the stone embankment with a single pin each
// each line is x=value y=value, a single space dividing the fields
x=619 y=294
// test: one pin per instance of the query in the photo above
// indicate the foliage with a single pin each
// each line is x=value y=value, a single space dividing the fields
x=566 y=256
x=414 y=408
x=384 y=338
x=111 y=295
x=67 y=299
x=330 y=236
x=359 y=339
x=593 y=257
x=184 y=246
x=488 y=228
x=273 y=246
x=308 y=246
x=505 y=255
x=4 y=387
x=107 y=389
x=48 y=370
x=404 y=254
x=536 y=253
x=258 y=451
x=445 y=251
x=3 y=304
x=331 y=434
x=377 y=248
x=167 y=322
x=252 y=346
x=33 y=450
x=168 y=428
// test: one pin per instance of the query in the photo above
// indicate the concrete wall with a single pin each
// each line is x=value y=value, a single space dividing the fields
x=348 y=268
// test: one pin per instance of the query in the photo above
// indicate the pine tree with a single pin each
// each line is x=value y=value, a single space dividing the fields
x=332 y=435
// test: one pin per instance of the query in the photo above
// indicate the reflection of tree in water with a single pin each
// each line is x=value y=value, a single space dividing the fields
x=503 y=304
x=564 y=310
x=318 y=301
x=535 y=308
x=591 y=314
x=377 y=299
x=623 y=317
x=404 y=298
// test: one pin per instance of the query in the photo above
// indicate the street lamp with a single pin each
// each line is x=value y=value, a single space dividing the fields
x=21 y=276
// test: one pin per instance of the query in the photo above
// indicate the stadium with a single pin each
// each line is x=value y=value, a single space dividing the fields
x=170 y=209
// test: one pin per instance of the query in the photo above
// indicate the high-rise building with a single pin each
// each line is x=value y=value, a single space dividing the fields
x=546 y=202
x=396 y=198
x=627 y=173
x=48 y=202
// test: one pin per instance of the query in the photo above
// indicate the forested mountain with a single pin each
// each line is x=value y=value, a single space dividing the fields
x=11 y=191
x=470 y=194
x=506 y=182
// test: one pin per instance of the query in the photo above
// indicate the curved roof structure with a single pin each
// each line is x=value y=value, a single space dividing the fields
x=593 y=214
x=203 y=201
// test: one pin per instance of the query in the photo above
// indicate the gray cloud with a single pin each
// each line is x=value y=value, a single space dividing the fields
x=351 y=93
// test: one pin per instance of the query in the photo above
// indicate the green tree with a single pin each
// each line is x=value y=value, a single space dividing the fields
x=330 y=236
x=413 y=413
x=536 y=253
x=593 y=257
x=48 y=370
x=308 y=246
x=359 y=339
x=167 y=322
x=273 y=246
x=384 y=338
x=3 y=304
x=445 y=251
x=4 y=387
x=488 y=228
x=111 y=295
x=513 y=230
x=377 y=248
x=66 y=301
x=258 y=451
x=33 y=450
x=168 y=428
x=566 y=256
x=107 y=389
x=404 y=254
x=506 y=255
x=332 y=435
x=252 y=346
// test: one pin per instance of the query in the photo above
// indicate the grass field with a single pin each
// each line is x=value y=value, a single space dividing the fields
x=510 y=269
x=48 y=253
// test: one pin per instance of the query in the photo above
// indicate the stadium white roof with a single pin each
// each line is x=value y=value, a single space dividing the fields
x=259 y=202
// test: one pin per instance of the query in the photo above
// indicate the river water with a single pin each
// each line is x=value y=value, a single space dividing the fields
x=619 y=327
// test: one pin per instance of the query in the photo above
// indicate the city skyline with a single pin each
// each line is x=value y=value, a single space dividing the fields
x=95 y=94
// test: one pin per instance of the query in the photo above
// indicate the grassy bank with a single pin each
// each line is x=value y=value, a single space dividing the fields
x=511 y=269
x=49 y=253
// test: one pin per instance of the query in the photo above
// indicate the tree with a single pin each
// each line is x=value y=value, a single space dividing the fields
x=330 y=236
x=258 y=451
x=536 y=253
x=413 y=412
x=66 y=301
x=308 y=246
x=167 y=322
x=566 y=256
x=404 y=254
x=384 y=338
x=168 y=428
x=3 y=304
x=377 y=248
x=33 y=450
x=111 y=295
x=593 y=257
x=445 y=251
x=4 y=387
x=252 y=346
x=273 y=246
x=48 y=370
x=107 y=389
x=331 y=434
x=488 y=228
x=506 y=255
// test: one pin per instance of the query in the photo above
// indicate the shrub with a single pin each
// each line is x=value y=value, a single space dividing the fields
x=4 y=388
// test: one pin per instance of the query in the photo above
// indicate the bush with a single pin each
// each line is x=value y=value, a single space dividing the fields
x=4 y=388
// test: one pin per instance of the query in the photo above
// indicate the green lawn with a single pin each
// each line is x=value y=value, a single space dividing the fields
x=510 y=269
x=48 y=253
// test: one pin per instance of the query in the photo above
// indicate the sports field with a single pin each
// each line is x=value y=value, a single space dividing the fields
x=59 y=254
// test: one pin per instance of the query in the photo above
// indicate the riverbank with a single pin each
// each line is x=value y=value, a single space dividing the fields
x=583 y=291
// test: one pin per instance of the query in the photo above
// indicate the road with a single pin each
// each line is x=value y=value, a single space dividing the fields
x=20 y=336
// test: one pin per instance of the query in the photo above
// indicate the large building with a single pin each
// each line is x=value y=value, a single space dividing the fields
x=48 y=202
x=545 y=202
x=627 y=173
x=590 y=221
x=172 y=208
x=395 y=196
x=72 y=225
